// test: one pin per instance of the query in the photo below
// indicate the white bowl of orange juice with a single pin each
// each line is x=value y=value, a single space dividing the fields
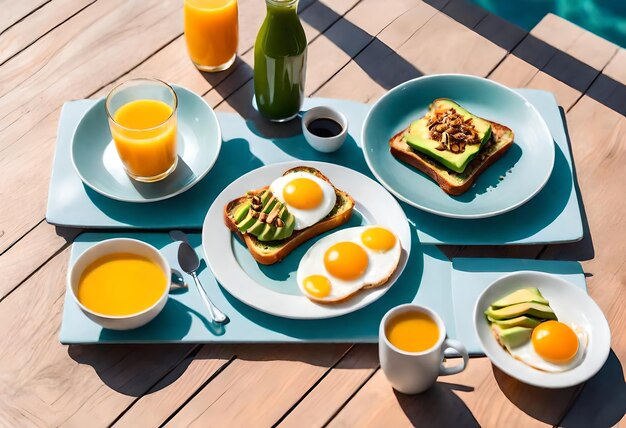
x=120 y=283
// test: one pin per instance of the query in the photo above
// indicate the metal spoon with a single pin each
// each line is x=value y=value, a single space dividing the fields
x=189 y=262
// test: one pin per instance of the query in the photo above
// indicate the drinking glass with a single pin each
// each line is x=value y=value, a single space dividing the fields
x=142 y=116
x=211 y=33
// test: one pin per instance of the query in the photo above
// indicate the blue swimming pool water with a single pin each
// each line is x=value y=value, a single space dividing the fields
x=606 y=18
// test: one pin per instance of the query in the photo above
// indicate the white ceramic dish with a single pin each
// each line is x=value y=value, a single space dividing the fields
x=570 y=304
x=273 y=289
x=324 y=144
x=117 y=245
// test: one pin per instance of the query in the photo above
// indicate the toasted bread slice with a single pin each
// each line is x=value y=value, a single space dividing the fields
x=270 y=252
x=452 y=182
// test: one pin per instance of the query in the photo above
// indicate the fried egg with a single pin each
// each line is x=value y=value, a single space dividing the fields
x=346 y=261
x=308 y=197
x=554 y=347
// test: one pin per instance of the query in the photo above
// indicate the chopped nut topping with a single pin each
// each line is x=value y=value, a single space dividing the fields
x=451 y=130
x=273 y=214
x=256 y=206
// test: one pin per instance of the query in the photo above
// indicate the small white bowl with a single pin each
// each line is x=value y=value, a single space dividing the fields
x=571 y=305
x=119 y=245
x=324 y=144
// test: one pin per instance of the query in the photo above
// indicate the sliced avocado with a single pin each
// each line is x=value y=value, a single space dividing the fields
x=279 y=231
x=533 y=309
x=241 y=212
x=524 y=295
x=521 y=321
x=512 y=337
x=251 y=221
x=256 y=228
x=269 y=205
x=267 y=234
x=247 y=222
x=418 y=137
x=287 y=230
x=265 y=196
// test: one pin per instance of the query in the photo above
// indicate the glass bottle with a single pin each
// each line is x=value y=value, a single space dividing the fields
x=280 y=62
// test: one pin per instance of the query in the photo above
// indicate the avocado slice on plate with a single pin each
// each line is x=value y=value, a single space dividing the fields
x=531 y=294
x=521 y=321
x=512 y=337
x=533 y=309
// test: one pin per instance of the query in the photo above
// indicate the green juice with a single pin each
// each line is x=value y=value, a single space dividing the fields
x=280 y=62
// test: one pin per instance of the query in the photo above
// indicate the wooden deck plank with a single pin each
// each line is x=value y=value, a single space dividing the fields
x=110 y=37
x=480 y=396
x=44 y=383
x=13 y=11
x=166 y=397
x=318 y=407
x=581 y=44
x=27 y=255
x=557 y=31
x=365 y=78
x=38 y=23
x=616 y=68
x=259 y=386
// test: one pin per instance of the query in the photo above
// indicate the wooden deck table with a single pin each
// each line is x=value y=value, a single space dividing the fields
x=52 y=51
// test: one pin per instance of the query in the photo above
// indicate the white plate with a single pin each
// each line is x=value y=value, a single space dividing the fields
x=273 y=289
x=570 y=304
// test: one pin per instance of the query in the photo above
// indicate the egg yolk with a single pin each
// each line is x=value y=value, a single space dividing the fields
x=378 y=239
x=317 y=285
x=303 y=193
x=346 y=260
x=555 y=341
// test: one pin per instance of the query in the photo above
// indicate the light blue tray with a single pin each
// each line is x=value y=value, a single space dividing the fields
x=429 y=279
x=552 y=216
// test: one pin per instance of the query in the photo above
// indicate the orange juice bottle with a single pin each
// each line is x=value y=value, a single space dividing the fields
x=143 y=121
x=211 y=33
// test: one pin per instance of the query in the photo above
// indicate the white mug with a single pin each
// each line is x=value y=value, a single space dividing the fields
x=415 y=372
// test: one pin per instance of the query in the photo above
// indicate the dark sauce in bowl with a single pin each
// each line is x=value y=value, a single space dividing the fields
x=324 y=128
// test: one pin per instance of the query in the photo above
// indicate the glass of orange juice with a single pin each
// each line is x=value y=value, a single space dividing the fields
x=142 y=118
x=211 y=33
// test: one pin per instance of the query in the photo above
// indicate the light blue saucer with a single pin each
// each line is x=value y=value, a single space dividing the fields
x=96 y=161
x=510 y=182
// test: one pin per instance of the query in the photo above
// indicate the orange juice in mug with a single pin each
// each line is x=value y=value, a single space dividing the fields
x=143 y=121
x=211 y=33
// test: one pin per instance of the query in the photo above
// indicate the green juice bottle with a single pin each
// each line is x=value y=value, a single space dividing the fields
x=280 y=62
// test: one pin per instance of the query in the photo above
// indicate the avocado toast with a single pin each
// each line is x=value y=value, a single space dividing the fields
x=267 y=227
x=451 y=145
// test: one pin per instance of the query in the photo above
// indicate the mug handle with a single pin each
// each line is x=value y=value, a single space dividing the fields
x=458 y=347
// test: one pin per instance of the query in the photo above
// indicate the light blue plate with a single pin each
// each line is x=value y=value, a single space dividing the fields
x=96 y=161
x=510 y=182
